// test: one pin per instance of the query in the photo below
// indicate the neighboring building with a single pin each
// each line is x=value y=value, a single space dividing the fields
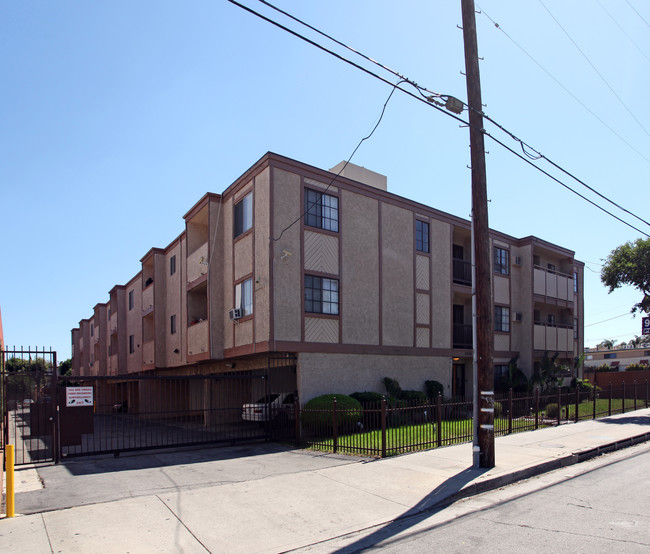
x=2 y=339
x=617 y=358
x=356 y=282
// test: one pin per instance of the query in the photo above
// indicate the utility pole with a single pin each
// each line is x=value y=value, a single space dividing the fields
x=484 y=320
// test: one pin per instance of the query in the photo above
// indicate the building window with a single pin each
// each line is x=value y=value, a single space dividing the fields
x=244 y=214
x=172 y=265
x=610 y=355
x=550 y=319
x=321 y=210
x=421 y=236
x=244 y=297
x=131 y=302
x=501 y=374
x=575 y=328
x=501 y=261
x=92 y=330
x=551 y=268
x=575 y=281
x=172 y=324
x=131 y=344
x=321 y=295
x=502 y=319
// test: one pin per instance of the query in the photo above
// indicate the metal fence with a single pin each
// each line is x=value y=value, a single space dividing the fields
x=387 y=428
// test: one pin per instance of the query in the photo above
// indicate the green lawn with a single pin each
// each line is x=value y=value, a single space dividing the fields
x=409 y=438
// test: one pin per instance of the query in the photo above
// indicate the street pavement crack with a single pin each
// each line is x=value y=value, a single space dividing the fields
x=183 y=524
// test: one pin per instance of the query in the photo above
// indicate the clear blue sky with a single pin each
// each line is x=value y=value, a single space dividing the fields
x=118 y=116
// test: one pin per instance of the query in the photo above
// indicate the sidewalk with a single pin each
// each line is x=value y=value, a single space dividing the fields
x=267 y=499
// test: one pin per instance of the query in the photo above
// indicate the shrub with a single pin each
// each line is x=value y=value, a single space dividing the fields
x=367 y=398
x=637 y=367
x=433 y=388
x=392 y=387
x=552 y=410
x=603 y=367
x=318 y=412
x=413 y=397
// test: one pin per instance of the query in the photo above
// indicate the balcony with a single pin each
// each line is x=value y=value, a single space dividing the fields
x=553 y=337
x=462 y=336
x=197 y=263
x=553 y=284
x=197 y=338
x=462 y=272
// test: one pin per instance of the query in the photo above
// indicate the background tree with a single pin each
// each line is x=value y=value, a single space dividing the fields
x=607 y=343
x=65 y=367
x=629 y=264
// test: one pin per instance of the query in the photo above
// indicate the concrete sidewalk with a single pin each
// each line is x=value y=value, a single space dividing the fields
x=267 y=499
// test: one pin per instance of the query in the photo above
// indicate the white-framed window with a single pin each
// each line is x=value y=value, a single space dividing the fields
x=243 y=215
x=244 y=296
x=321 y=210
x=321 y=295
x=502 y=319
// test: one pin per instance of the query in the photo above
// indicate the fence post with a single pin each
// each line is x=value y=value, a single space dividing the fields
x=296 y=414
x=635 y=394
x=439 y=417
x=646 y=393
x=623 y=401
x=335 y=438
x=510 y=411
x=559 y=405
x=610 y=398
x=595 y=397
x=536 y=407
x=576 y=418
x=383 y=426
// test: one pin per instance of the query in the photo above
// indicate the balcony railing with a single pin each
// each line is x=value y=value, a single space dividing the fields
x=462 y=336
x=462 y=272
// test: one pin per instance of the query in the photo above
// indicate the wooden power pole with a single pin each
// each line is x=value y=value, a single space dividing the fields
x=484 y=319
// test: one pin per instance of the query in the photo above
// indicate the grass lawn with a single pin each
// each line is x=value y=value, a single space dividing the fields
x=410 y=438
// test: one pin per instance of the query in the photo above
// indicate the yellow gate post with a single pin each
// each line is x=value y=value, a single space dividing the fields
x=9 y=450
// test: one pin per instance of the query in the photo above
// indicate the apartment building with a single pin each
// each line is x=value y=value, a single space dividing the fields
x=356 y=282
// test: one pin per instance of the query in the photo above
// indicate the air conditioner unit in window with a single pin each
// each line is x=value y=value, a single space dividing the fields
x=518 y=316
x=236 y=313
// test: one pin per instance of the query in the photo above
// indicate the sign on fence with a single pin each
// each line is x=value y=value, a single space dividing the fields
x=645 y=327
x=79 y=396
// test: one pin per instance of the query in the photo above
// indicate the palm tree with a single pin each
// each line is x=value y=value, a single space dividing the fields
x=607 y=343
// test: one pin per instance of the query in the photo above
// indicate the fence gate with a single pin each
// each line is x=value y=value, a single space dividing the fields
x=28 y=387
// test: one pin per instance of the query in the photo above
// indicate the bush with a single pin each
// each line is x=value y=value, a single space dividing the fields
x=414 y=397
x=318 y=413
x=433 y=388
x=392 y=387
x=552 y=410
x=637 y=367
x=370 y=399
x=603 y=367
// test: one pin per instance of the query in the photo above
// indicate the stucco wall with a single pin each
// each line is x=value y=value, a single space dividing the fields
x=347 y=373
x=360 y=270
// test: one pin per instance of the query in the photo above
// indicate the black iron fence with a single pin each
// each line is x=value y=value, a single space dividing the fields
x=388 y=428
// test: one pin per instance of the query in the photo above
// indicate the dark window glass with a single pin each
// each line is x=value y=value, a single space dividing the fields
x=172 y=324
x=502 y=319
x=172 y=265
x=321 y=295
x=243 y=215
x=131 y=344
x=131 y=303
x=501 y=261
x=421 y=236
x=321 y=210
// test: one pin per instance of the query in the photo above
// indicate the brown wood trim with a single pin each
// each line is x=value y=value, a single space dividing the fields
x=193 y=358
x=333 y=348
x=247 y=349
x=247 y=232
x=198 y=281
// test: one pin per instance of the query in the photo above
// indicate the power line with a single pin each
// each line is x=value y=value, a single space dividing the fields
x=605 y=320
x=640 y=16
x=595 y=69
x=310 y=206
x=623 y=30
x=611 y=129
x=431 y=101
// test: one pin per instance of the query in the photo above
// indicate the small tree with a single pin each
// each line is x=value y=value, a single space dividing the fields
x=629 y=264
